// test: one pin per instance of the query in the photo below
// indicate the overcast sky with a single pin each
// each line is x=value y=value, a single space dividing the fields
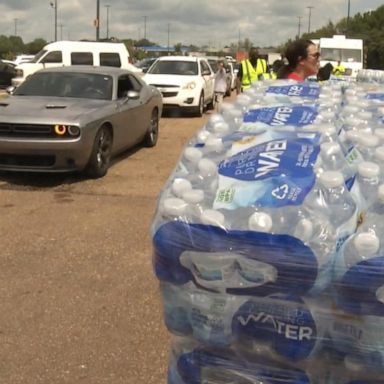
x=201 y=22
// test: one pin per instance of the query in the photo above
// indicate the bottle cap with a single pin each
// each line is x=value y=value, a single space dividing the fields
x=350 y=109
x=379 y=153
x=214 y=144
x=174 y=206
x=330 y=148
x=366 y=243
x=203 y=135
x=260 y=222
x=380 y=193
x=364 y=115
x=180 y=185
x=379 y=132
x=212 y=217
x=193 y=154
x=368 y=169
x=331 y=179
x=369 y=140
x=215 y=118
x=193 y=196
x=353 y=136
x=221 y=127
x=207 y=167
x=304 y=230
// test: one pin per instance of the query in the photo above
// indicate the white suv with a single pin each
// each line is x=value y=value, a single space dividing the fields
x=186 y=82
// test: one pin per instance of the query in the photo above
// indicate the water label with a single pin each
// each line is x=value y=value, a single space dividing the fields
x=375 y=96
x=297 y=115
x=286 y=323
x=270 y=174
x=311 y=91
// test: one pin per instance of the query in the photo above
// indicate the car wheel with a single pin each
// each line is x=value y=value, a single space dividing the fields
x=101 y=153
x=200 y=107
x=152 y=134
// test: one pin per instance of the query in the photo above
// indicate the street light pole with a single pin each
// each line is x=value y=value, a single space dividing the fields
x=107 y=6
x=298 y=34
x=54 y=6
x=97 y=21
x=15 y=26
x=61 y=31
x=168 y=38
x=349 y=9
x=309 y=18
x=145 y=27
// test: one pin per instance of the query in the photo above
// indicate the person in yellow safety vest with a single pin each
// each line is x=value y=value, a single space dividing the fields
x=252 y=69
x=339 y=69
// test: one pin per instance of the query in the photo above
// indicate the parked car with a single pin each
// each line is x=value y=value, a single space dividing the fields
x=213 y=62
x=76 y=118
x=145 y=63
x=185 y=82
x=7 y=72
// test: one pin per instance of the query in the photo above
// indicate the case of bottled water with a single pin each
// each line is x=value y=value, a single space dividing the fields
x=268 y=239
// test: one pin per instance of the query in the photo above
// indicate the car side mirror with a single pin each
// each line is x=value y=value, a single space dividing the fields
x=134 y=95
x=145 y=70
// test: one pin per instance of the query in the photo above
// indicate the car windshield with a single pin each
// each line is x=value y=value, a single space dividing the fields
x=60 y=84
x=174 y=67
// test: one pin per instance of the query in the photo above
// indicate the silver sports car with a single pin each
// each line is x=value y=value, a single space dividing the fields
x=75 y=119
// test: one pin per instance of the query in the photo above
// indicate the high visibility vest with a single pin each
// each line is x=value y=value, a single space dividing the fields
x=251 y=74
x=338 y=70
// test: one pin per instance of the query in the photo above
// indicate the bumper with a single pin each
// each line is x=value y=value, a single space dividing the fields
x=44 y=156
x=183 y=98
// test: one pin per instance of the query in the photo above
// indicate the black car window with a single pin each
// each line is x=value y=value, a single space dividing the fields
x=124 y=85
x=174 y=67
x=53 y=57
x=81 y=58
x=66 y=84
x=110 y=59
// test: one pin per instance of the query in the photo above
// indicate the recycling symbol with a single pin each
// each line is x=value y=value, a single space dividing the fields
x=280 y=192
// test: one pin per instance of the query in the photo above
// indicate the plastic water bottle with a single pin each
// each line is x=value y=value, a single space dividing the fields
x=332 y=159
x=194 y=364
x=373 y=220
x=366 y=145
x=365 y=187
x=290 y=327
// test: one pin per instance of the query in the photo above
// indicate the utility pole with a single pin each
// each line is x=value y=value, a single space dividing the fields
x=107 y=6
x=168 y=39
x=299 y=26
x=15 y=26
x=61 y=31
x=309 y=18
x=97 y=21
x=54 y=6
x=349 y=9
x=145 y=27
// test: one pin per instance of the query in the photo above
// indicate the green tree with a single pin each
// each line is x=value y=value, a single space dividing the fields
x=35 y=46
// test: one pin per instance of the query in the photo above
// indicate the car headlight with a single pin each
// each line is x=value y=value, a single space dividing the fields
x=190 y=85
x=62 y=130
x=19 y=73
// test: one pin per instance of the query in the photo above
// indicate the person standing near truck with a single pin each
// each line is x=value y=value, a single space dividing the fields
x=220 y=86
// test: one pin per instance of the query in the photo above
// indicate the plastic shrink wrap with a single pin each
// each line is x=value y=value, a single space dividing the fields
x=268 y=239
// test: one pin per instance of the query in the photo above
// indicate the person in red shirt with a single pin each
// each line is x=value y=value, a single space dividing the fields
x=303 y=60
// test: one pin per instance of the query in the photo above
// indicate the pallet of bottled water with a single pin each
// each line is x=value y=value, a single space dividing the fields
x=268 y=239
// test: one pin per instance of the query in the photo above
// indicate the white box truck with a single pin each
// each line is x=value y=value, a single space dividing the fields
x=65 y=53
x=339 y=48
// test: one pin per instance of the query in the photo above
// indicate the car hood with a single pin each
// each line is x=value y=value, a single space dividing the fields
x=168 y=79
x=45 y=109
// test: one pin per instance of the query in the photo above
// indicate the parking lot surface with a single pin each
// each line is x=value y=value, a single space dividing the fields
x=79 y=300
